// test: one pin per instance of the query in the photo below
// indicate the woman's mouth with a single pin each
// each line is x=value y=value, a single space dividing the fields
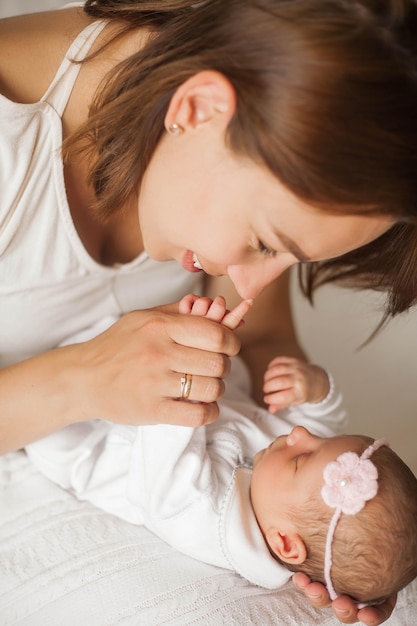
x=191 y=263
x=197 y=263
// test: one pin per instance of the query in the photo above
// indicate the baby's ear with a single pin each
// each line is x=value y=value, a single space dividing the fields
x=288 y=546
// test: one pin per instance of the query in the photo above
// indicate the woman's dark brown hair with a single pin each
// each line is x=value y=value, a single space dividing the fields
x=326 y=99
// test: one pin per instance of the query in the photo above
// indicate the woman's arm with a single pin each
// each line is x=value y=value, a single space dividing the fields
x=34 y=399
x=129 y=374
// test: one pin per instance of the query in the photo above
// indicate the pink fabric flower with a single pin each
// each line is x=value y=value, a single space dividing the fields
x=349 y=482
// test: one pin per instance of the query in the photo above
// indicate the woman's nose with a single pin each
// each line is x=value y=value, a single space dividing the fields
x=250 y=280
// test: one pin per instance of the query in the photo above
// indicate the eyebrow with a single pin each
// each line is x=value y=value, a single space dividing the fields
x=292 y=247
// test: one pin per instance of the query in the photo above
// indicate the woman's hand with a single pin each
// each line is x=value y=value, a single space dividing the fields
x=131 y=373
x=344 y=608
x=289 y=381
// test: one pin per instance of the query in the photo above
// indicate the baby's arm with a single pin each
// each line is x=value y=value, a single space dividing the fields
x=290 y=381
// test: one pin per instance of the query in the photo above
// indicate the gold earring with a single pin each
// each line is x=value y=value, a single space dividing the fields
x=175 y=129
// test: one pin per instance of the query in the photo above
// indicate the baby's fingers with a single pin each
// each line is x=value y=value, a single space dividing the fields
x=279 y=382
x=203 y=307
x=234 y=318
x=279 y=400
x=186 y=304
x=217 y=309
x=278 y=369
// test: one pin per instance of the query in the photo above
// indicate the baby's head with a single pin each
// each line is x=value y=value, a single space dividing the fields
x=373 y=551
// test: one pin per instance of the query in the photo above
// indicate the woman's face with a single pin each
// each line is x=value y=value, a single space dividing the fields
x=198 y=198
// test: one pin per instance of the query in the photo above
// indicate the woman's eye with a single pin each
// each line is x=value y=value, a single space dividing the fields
x=263 y=249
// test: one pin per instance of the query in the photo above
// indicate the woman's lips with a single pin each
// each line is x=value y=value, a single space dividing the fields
x=197 y=263
x=190 y=262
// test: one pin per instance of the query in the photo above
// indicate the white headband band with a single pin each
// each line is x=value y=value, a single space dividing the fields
x=349 y=482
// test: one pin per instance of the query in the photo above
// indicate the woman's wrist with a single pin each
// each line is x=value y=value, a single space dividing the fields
x=36 y=401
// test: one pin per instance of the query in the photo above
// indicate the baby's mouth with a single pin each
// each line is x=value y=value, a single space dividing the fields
x=196 y=262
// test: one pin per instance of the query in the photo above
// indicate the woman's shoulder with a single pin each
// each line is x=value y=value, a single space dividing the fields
x=32 y=48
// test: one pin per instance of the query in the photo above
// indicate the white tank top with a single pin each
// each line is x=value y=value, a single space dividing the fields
x=50 y=287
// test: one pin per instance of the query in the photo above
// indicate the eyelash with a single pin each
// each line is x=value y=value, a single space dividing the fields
x=263 y=249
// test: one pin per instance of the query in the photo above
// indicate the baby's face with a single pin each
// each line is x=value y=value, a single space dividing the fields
x=290 y=471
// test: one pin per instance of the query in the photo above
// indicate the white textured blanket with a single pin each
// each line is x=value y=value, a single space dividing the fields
x=65 y=563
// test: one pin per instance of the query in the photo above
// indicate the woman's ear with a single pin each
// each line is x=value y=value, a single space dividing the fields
x=205 y=96
x=288 y=546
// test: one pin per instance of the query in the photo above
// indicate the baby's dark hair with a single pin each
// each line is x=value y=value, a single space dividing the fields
x=374 y=552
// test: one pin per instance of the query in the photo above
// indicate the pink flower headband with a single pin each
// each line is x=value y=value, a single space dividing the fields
x=349 y=482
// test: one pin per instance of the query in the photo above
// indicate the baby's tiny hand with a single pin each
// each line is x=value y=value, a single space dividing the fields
x=215 y=309
x=289 y=381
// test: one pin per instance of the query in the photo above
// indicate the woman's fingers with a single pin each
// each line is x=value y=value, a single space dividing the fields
x=132 y=372
x=204 y=334
x=375 y=615
x=343 y=607
x=201 y=388
x=316 y=593
x=192 y=414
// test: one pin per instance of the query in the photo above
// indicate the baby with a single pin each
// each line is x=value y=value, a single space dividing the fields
x=350 y=561
x=342 y=509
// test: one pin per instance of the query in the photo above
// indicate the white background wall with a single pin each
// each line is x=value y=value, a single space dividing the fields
x=380 y=380
x=14 y=7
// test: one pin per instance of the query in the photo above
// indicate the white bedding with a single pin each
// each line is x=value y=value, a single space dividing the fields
x=65 y=563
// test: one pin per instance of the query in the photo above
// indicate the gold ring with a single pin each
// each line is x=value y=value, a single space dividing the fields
x=185 y=386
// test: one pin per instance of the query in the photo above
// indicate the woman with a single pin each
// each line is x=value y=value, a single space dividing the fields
x=231 y=140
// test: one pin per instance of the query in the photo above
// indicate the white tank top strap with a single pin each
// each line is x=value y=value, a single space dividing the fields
x=59 y=90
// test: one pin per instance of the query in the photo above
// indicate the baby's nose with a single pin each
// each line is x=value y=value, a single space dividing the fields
x=297 y=435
